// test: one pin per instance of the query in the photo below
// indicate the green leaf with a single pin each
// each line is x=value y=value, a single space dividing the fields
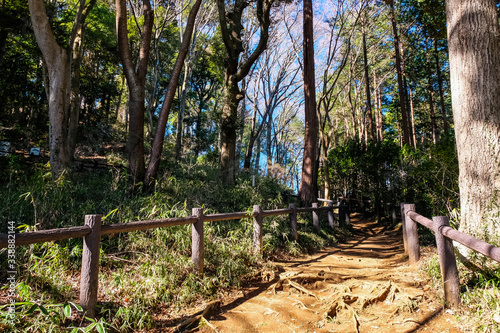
x=44 y=310
x=31 y=309
x=78 y=307
x=100 y=327
x=67 y=310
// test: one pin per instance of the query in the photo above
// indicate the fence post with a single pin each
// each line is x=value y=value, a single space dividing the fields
x=341 y=214
x=411 y=235
x=89 y=278
x=403 y=226
x=331 y=218
x=197 y=246
x=315 y=217
x=257 y=229
x=293 y=221
x=447 y=262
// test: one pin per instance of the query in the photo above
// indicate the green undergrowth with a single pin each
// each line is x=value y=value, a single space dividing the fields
x=479 y=310
x=142 y=271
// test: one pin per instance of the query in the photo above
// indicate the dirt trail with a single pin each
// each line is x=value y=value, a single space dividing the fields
x=362 y=285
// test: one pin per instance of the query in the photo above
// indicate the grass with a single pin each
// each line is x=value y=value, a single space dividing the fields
x=141 y=271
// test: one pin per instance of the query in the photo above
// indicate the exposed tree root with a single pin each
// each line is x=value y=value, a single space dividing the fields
x=199 y=317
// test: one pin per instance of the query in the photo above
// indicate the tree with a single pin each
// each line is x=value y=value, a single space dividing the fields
x=474 y=50
x=407 y=139
x=309 y=178
x=230 y=20
x=154 y=161
x=136 y=79
x=63 y=65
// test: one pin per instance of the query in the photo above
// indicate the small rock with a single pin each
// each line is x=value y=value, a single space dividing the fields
x=496 y=317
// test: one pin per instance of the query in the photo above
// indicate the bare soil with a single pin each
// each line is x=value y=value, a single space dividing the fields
x=362 y=285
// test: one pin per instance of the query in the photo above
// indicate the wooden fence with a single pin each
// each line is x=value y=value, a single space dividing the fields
x=92 y=230
x=444 y=237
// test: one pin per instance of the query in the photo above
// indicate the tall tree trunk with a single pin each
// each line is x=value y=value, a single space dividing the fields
x=367 y=81
x=182 y=108
x=308 y=181
x=412 y=115
x=378 y=108
x=154 y=161
x=430 y=91
x=77 y=37
x=406 y=138
x=136 y=79
x=474 y=52
x=441 y=90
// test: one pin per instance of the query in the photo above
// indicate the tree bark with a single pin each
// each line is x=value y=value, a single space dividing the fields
x=406 y=138
x=474 y=53
x=308 y=181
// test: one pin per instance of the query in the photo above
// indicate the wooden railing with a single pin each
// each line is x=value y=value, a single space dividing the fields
x=93 y=229
x=444 y=237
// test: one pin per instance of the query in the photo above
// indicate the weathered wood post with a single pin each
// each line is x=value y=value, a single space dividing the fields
x=257 y=229
x=89 y=278
x=447 y=262
x=293 y=221
x=315 y=217
x=411 y=235
x=197 y=245
x=403 y=226
x=331 y=217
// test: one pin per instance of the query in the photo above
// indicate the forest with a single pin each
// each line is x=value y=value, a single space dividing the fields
x=146 y=109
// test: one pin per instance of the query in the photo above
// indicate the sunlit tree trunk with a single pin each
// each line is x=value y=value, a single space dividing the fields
x=474 y=53
x=308 y=181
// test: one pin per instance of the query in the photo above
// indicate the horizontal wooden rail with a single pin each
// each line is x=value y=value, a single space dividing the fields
x=306 y=209
x=226 y=216
x=472 y=243
x=42 y=236
x=276 y=212
x=143 y=225
x=421 y=219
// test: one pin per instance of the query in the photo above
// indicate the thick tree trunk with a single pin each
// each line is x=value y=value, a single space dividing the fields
x=58 y=68
x=229 y=126
x=62 y=124
x=474 y=53
x=308 y=181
